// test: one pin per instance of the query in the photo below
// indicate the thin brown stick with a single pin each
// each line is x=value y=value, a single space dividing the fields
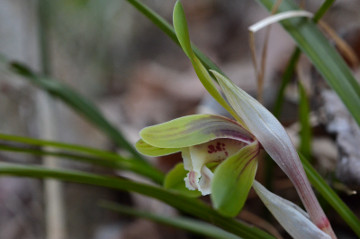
x=261 y=223
x=260 y=73
x=342 y=45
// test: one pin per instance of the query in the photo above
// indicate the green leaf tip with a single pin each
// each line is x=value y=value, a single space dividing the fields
x=181 y=30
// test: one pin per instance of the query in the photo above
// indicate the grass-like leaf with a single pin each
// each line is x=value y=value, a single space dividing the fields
x=59 y=145
x=331 y=197
x=76 y=102
x=324 y=56
x=304 y=118
x=188 y=205
x=195 y=226
x=114 y=162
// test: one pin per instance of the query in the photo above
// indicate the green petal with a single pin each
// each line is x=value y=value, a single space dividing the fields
x=233 y=179
x=174 y=181
x=150 y=150
x=192 y=130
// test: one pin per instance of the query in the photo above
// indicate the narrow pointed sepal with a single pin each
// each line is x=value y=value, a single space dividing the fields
x=266 y=128
x=276 y=142
x=294 y=220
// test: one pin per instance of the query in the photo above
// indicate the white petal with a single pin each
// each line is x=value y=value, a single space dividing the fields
x=192 y=180
x=213 y=151
x=294 y=220
x=205 y=181
x=185 y=153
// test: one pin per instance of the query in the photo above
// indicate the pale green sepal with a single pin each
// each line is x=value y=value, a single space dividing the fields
x=294 y=220
x=276 y=142
x=181 y=29
x=149 y=150
x=192 y=130
x=233 y=179
x=174 y=181
x=266 y=128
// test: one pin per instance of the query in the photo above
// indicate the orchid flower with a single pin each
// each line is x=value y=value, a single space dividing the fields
x=208 y=140
x=220 y=155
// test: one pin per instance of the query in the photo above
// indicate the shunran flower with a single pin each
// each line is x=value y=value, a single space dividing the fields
x=220 y=155
x=207 y=143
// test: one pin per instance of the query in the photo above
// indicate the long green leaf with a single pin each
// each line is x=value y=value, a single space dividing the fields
x=59 y=145
x=75 y=101
x=78 y=152
x=304 y=118
x=324 y=56
x=285 y=80
x=322 y=10
x=81 y=105
x=189 y=205
x=115 y=163
x=331 y=197
x=188 y=224
x=295 y=56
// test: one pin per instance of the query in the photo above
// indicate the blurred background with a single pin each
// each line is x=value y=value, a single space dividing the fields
x=115 y=57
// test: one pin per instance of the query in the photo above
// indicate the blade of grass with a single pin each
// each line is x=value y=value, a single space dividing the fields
x=75 y=101
x=331 y=197
x=109 y=160
x=322 y=10
x=115 y=162
x=295 y=56
x=60 y=145
x=304 y=118
x=84 y=107
x=324 y=57
x=285 y=80
x=39 y=152
x=188 y=205
x=188 y=224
